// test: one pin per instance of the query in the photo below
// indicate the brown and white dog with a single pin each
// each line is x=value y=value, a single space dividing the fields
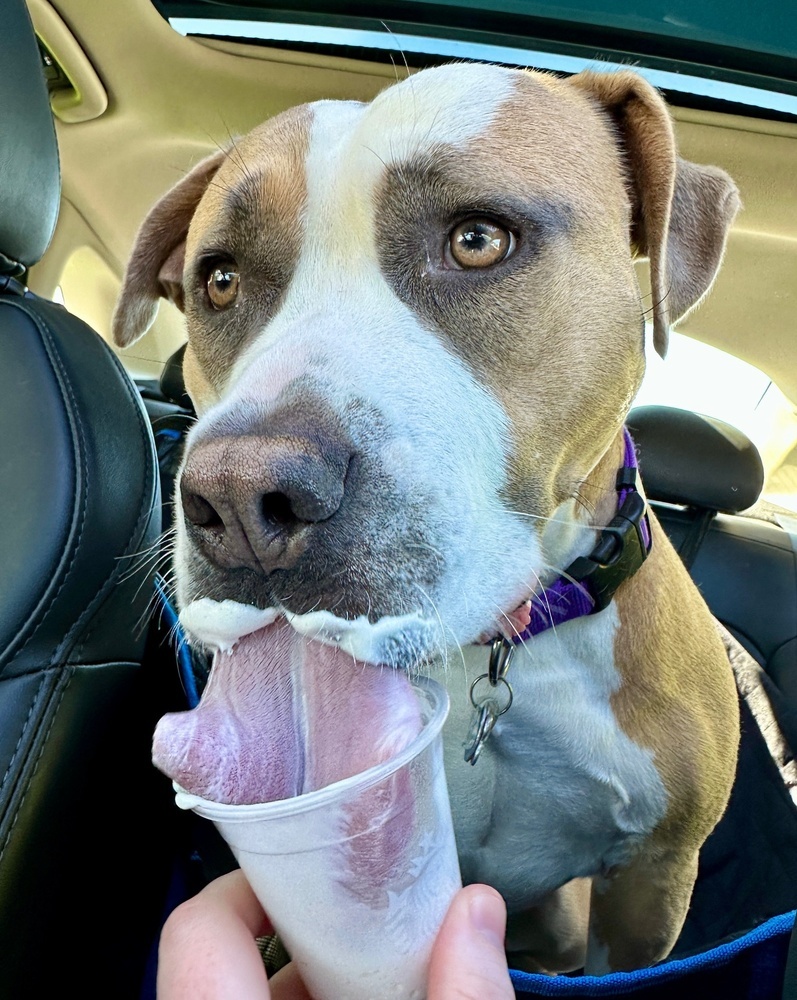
x=414 y=333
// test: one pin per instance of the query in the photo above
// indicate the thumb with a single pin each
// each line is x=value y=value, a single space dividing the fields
x=468 y=957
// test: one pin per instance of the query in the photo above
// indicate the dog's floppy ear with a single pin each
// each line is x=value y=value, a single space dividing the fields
x=155 y=268
x=682 y=212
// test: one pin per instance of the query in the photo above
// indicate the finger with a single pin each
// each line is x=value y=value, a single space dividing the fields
x=286 y=985
x=207 y=947
x=468 y=960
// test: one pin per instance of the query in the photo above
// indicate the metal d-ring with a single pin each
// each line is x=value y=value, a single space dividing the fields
x=501 y=651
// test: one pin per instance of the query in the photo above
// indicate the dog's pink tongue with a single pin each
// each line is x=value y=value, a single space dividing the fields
x=282 y=715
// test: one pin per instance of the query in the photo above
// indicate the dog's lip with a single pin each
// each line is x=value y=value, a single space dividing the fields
x=509 y=624
x=218 y=625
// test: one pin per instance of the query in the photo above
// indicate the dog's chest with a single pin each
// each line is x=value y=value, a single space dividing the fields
x=560 y=790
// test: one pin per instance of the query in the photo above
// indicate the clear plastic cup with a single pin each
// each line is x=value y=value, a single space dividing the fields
x=357 y=876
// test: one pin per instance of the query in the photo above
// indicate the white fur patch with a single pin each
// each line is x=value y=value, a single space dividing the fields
x=406 y=119
x=597 y=956
x=560 y=790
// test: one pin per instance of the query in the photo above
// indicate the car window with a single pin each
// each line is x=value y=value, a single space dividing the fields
x=699 y=377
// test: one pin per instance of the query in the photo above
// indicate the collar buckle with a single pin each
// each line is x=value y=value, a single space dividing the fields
x=619 y=552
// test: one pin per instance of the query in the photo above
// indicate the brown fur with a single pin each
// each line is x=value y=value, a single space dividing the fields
x=511 y=324
x=681 y=211
x=662 y=706
x=670 y=656
x=694 y=737
x=252 y=213
x=265 y=171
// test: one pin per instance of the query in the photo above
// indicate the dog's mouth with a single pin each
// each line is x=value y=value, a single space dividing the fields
x=293 y=702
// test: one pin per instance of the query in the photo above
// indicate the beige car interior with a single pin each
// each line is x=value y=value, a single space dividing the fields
x=141 y=104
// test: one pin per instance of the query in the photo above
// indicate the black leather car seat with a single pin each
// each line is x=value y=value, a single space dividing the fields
x=79 y=821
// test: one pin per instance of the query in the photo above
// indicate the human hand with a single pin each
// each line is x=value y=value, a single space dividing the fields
x=208 y=950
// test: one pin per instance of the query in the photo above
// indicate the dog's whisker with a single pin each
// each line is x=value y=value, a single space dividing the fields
x=406 y=66
x=538 y=590
x=503 y=614
x=152 y=606
x=216 y=143
x=172 y=633
x=655 y=306
x=392 y=34
x=540 y=517
x=423 y=545
x=432 y=125
x=458 y=648
x=522 y=642
x=395 y=67
x=439 y=617
x=238 y=158
x=370 y=150
x=158 y=544
x=143 y=566
x=223 y=186
x=167 y=576
x=580 y=483
x=169 y=579
x=163 y=546
x=147 y=577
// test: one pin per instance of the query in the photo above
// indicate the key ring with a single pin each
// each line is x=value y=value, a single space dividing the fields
x=491 y=699
x=488 y=711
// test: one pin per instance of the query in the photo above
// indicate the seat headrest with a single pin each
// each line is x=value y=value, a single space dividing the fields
x=698 y=461
x=172 y=384
x=31 y=187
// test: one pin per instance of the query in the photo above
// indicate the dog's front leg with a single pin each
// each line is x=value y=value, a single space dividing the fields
x=551 y=938
x=637 y=912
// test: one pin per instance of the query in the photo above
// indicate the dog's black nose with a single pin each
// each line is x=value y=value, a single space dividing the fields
x=252 y=500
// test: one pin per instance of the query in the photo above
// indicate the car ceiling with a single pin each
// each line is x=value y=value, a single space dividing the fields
x=174 y=99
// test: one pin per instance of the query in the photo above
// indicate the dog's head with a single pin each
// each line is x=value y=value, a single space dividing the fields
x=414 y=329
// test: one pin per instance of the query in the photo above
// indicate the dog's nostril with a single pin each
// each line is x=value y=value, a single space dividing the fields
x=277 y=509
x=200 y=512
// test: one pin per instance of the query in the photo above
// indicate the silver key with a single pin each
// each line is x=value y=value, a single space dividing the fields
x=483 y=723
x=487 y=714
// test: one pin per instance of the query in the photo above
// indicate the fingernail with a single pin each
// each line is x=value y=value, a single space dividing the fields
x=488 y=917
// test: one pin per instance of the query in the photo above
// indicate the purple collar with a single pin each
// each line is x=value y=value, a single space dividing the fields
x=589 y=583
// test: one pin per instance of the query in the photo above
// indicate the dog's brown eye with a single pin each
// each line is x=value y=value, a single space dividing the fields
x=223 y=283
x=479 y=243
